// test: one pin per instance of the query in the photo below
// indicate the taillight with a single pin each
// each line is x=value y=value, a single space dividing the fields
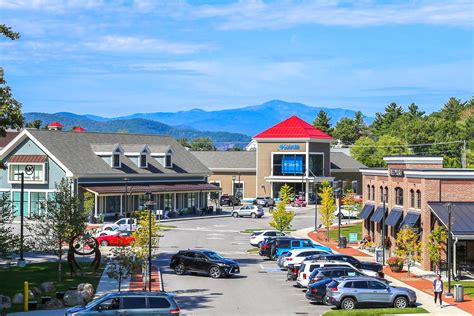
x=304 y=275
x=289 y=259
x=174 y=311
x=265 y=247
x=314 y=290
x=333 y=289
x=295 y=270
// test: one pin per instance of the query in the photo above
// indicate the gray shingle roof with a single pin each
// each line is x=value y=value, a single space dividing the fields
x=340 y=160
x=74 y=150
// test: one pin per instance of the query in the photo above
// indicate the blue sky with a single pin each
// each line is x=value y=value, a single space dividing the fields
x=114 y=58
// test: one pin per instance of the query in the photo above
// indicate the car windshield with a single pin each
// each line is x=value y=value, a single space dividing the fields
x=213 y=255
x=96 y=301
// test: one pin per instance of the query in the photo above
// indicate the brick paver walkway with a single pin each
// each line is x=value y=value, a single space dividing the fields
x=427 y=287
x=320 y=237
x=136 y=281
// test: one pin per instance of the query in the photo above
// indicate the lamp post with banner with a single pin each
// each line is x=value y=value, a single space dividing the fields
x=21 y=262
x=149 y=204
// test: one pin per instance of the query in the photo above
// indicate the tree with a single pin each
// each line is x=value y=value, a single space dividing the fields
x=9 y=241
x=383 y=122
x=235 y=148
x=414 y=111
x=323 y=122
x=35 y=124
x=328 y=206
x=346 y=131
x=282 y=218
x=364 y=151
x=437 y=245
x=89 y=202
x=10 y=109
x=122 y=265
x=140 y=245
x=350 y=203
x=408 y=246
x=360 y=125
x=202 y=144
x=183 y=142
x=388 y=145
x=62 y=221
x=451 y=110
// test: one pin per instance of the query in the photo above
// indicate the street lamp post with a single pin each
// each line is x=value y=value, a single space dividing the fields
x=316 y=187
x=449 y=294
x=383 y=229
x=149 y=204
x=240 y=191
x=21 y=262
x=233 y=192
x=338 y=197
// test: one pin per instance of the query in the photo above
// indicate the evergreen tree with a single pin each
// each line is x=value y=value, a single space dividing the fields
x=383 y=122
x=202 y=144
x=414 y=111
x=346 y=131
x=323 y=122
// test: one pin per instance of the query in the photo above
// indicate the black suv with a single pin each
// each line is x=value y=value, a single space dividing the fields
x=361 y=265
x=203 y=261
x=229 y=200
x=268 y=245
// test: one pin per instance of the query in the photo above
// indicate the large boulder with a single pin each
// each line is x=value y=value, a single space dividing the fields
x=18 y=298
x=73 y=298
x=36 y=291
x=53 y=303
x=5 y=302
x=47 y=287
x=87 y=291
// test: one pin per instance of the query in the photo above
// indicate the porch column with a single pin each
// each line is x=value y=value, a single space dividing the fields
x=96 y=206
x=121 y=205
x=306 y=195
x=174 y=201
x=199 y=200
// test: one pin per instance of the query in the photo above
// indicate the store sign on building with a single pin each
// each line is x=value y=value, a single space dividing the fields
x=289 y=147
x=396 y=173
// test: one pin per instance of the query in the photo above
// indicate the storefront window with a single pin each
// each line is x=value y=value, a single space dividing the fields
x=31 y=172
x=316 y=165
x=412 y=199
x=37 y=203
x=418 y=199
x=368 y=192
x=239 y=189
x=168 y=201
x=381 y=194
x=373 y=193
x=386 y=194
x=16 y=203
x=289 y=164
x=399 y=196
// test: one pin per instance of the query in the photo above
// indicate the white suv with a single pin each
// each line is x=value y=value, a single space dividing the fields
x=253 y=211
x=297 y=256
x=122 y=225
x=308 y=266
x=257 y=237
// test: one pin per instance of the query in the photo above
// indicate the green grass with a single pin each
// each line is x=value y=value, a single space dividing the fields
x=468 y=287
x=166 y=227
x=252 y=230
x=252 y=250
x=346 y=230
x=377 y=311
x=12 y=279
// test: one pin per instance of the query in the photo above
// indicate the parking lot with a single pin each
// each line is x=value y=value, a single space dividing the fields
x=260 y=289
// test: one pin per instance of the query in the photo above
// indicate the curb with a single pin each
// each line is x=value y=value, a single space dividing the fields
x=193 y=218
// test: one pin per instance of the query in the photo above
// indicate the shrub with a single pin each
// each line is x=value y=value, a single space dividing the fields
x=395 y=261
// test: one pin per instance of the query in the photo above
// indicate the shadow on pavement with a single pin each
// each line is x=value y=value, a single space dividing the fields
x=192 y=302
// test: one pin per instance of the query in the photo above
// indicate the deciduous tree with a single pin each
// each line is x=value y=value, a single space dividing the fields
x=202 y=144
x=281 y=217
x=408 y=246
x=346 y=131
x=327 y=208
x=437 y=245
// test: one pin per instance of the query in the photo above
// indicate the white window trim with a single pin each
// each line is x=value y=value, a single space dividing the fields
x=112 y=160
x=307 y=162
x=171 y=160
x=140 y=160
x=243 y=187
x=45 y=180
x=303 y=153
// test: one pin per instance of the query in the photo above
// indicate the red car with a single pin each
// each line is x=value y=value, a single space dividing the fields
x=123 y=239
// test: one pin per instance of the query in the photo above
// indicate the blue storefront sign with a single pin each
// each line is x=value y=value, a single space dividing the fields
x=289 y=147
x=292 y=164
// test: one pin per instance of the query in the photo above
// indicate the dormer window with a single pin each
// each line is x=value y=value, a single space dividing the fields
x=116 y=161
x=169 y=161
x=143 y=160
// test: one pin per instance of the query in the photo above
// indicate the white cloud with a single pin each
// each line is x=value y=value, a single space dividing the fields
x=113 y=43
x=50 y=5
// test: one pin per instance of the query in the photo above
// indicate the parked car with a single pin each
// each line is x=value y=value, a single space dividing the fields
x=309 y=266
x=369 y=268
x=256 y=239
x=113 y=231
x=346 y=212
x=122 y=224
x=297 y=256
x=264 y=201
x=350 y=293
x=229 y=200
x=123 y=239
x=286 y=245
x=134 y=303
x=293 y=270
x=298 y=201
x=253 y=211
x=268 y=245
x=317 y=292
x=203 y=261
x=331 y=273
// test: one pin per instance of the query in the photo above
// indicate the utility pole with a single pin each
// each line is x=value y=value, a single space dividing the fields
x=383 y=230
x=464 y=158
x=449 y=294
x=149 y=205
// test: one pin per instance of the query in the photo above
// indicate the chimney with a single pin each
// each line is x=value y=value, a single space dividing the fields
x=78 y=129
x=55 y=126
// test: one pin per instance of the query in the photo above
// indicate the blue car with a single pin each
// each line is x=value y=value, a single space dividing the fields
x=285 y=245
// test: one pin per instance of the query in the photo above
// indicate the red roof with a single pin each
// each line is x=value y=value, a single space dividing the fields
x=79 y=129
x=28 y=158
x=293 y=127
x=55 y=124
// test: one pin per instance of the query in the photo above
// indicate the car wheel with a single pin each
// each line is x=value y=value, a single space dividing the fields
x=179 y=269
x=235 y=214
x=253 y=215
x=400 y=302
x=274 y=257
x=326 y=300
x=104 y=243
x=348 y=303
x=107 y=228
x=103 y=234
x=215 y=272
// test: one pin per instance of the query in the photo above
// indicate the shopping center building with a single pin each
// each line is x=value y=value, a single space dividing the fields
x=292 y=152
x=118 y=169
x=419 y=193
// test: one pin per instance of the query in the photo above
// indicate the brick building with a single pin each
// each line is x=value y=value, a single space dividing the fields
x=417 y=191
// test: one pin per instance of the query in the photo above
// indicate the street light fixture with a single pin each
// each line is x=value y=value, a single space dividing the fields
x=384 y=197
x=338 y=203
x=149 y=203
x=21 y=262
x=449 y=294
x=233 y=192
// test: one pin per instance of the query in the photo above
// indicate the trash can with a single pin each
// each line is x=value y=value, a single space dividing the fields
x=343 y=242
x=458 y=293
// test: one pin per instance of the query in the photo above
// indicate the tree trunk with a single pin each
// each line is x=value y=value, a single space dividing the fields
x=120 y=278
x=60 y=262
x=327 y=234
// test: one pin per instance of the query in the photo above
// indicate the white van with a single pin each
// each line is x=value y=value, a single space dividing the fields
x=308 y=266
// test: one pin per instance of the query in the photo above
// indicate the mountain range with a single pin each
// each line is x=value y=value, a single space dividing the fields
x=225 y=127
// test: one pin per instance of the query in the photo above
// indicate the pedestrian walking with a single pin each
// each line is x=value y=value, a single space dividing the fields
x=438 y=289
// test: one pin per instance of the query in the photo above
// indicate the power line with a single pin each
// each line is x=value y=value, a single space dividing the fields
x=407 y=145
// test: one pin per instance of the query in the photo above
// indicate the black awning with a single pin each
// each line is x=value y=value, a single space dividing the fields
x=394 y=217
x=411 y=220
x=378 y=215
x=462 y=217
x=366 y=211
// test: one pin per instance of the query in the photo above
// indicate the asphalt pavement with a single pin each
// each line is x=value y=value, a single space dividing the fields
x=260 y=289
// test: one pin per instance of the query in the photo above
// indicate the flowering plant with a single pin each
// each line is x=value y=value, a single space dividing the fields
x=395 y=261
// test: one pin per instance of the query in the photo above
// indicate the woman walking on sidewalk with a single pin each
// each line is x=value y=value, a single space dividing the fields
x=438 y=289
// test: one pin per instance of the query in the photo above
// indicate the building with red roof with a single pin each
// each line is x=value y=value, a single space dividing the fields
x=55 y=126
x=293 y=128
x=78 y=129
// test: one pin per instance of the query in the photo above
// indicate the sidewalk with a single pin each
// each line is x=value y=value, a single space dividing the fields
x=136 y=282
x=423 y=287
